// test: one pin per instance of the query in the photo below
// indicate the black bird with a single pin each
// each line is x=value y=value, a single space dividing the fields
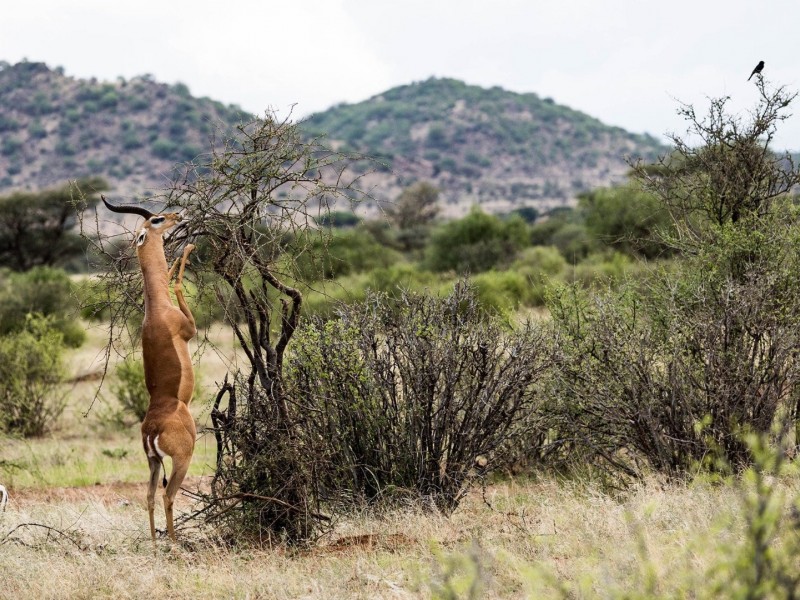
x=758 y=69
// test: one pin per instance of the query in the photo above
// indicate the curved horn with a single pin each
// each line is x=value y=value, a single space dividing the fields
x=136 y=210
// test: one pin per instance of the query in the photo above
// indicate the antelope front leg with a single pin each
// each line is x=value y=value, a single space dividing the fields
x=186 y=251
x=178 y=287
x=172 y=269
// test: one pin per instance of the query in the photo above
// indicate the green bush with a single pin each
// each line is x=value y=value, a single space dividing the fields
x=37 y=130
x=42 y=290
x=8 y=124
x=602 y=268
x=138 y=103
x=415 y=396
x=323 y=255
x=502 y=292
x=671 y=368
x=574 y=241
x=476 y=243
x=188 y=152
x=164 y=149
x=31 y=370
x=540 y=262
x=130 y=389
x=338 y=218
x=10 y=146
x=109 y=100
x=131 y=140
x=628 y=219
x=327 y=297
x=65 y=148
x=401 y=276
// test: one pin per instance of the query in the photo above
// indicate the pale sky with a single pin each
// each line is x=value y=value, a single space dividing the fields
x=626 y=62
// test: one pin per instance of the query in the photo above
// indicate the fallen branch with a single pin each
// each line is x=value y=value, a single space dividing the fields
x=53 y=530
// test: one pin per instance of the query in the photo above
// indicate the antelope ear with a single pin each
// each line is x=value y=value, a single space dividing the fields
x=142 y=235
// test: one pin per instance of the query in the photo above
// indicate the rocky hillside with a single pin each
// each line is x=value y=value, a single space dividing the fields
x=55 y=128
x=488 y=146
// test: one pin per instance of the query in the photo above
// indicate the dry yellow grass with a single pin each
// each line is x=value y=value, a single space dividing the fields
x=529 y=535
x=519 y=539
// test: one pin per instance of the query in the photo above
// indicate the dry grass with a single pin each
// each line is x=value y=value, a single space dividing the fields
x=528 y=535
x=520 y=539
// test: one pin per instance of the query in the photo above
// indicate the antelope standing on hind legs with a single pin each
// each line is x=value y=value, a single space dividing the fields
x=168 y=428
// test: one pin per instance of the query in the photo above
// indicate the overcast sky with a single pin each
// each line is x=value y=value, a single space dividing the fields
x=627 y=63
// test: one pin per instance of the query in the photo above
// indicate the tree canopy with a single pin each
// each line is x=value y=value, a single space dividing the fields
x=36 y=227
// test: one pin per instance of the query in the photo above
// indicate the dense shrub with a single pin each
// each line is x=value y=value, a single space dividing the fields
x=541 y=266
x=8 y=124
x=130 y=389
x=30 y=371
x=417 y=395
x=401 y=276
x=10 y=146
x=338 y=218
x=45 y=291
x=574 y=241
x=36 y=228
x=327 y=256
x=628 y=219
x=476 y=243
x=165 y=149
x=673 y=370
x=602 y=269
x=502 y=292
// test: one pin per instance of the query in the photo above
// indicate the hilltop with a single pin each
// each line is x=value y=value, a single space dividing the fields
x=494 y=147
x=489 y=146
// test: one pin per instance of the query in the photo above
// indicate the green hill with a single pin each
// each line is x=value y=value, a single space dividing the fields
x=55 y=128
x=488 y=146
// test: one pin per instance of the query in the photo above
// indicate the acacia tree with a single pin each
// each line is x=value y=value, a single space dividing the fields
x=247 y=206
x=36 y=227
x=733 y=173
x=676 y=367
x=735 y=220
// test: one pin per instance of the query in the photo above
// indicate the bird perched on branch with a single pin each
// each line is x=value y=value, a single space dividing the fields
x=757 y=70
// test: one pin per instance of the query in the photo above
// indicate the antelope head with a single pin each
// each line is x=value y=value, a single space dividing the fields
x=154 y=224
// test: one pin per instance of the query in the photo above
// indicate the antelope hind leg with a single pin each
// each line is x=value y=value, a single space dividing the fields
x=179 y=469
x=177 y=441
x=155 y=471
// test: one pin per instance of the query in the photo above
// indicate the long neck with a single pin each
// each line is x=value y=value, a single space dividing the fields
x=154 y=271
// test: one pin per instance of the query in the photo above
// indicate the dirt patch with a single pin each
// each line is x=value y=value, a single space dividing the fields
x=110 y=494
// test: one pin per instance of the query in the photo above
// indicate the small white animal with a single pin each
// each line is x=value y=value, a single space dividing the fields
x=3 y=498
